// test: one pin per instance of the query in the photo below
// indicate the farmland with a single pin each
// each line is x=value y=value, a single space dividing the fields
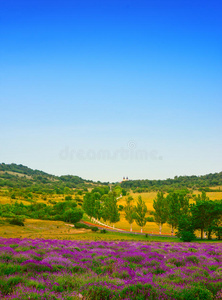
x=148 y=198
x=55 y=269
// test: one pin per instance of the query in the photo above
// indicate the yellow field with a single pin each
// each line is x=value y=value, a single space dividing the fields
x=40 y=229
x=211 y=195
x=147 y=197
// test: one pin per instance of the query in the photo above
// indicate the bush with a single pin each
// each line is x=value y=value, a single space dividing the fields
x=16 y=221
x=197 y=293
x=6 y=287
x=121 y=207
x=138 y=291
x=103 y=231
x=94 y=228
x=150 y=219
x=9 y=269
x=186 y=229
x=187 y=236
x=97 y=292
x=81 y=225
x=73 y=215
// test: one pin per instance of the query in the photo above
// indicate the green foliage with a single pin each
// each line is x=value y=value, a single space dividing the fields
x=94 y=228
x=138 y=292
x=16 y=221
x=81 y=225
x=129 y=210
x=186 y=229
x=97 y=292
x=177 y=205
x=73 y=215
x=140 y=213
x=121 y=207
x=177 y=183
x=109 y=209
x=9 y=268
x=160 y=209
x=205 y=213
x=103 y=231
x=197 y=293
x=89 y=204
x=6 y=287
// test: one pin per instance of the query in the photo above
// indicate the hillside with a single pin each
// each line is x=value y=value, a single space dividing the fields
x=19 y=176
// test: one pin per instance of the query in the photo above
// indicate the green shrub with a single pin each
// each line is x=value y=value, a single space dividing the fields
x=121 y=207
x=16 y=221
x=97 y=292
x=36 y=267
x=81 y=225
x=138 y=292
x=94 y=228
x=193 y=259
x=6 y=286
x=187 y=236
x=197 y=293
x=9 y=268
x=103 y=231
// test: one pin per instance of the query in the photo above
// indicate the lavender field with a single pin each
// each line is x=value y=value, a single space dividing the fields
x=55 y=269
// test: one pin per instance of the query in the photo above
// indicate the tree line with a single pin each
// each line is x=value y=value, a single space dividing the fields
x=176 y=210
x=178 y=182
x=66 y=211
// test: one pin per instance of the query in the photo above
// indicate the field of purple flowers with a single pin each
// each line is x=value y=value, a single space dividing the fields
x=55 y=269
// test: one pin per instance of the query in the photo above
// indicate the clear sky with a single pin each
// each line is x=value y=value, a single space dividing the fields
x=106 y=89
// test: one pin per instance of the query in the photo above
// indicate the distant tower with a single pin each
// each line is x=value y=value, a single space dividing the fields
x=127 y=179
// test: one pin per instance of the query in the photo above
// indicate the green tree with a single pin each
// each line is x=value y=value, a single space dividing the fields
x=73 y=215
x=97 y=210
x=129 y=210
x=177 y=205
x=204 y=214
x=110 y=210
x=186 y=229
x=140 y=213
x=202 y=197
x=160 y=207
x=89 y=204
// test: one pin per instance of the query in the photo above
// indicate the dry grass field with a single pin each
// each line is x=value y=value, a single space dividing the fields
x=40 y=229
x=35 y=229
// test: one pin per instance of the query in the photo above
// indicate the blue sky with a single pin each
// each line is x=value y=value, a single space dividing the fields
x=106 y=89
